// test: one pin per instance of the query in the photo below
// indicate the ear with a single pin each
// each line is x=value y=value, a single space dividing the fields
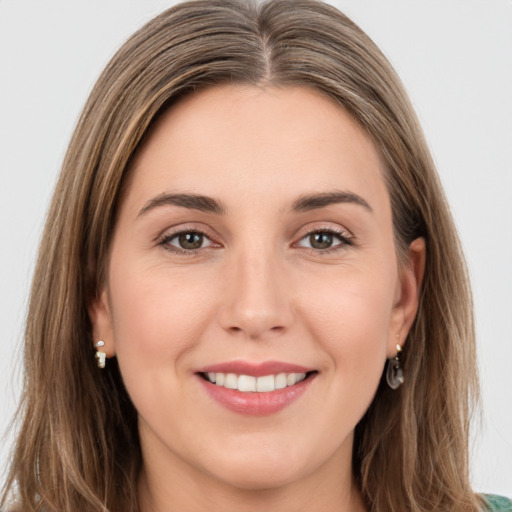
x=102 y=322
x=407 y=295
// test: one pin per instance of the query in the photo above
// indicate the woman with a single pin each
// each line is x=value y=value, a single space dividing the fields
x=250 y=329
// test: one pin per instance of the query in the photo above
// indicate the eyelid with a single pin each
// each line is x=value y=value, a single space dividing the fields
x=315 y=227
x=170 y=233
x=345 y=237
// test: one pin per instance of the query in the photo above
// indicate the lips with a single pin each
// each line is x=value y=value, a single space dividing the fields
x=255 y=369
x=255 y=389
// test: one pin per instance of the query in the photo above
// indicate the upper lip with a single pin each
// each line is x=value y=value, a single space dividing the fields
x=255 y=369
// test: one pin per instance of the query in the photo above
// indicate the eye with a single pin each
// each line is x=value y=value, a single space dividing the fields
x=186 y=241
x=324 y=240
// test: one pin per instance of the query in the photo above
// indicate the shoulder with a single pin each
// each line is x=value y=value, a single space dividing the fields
x=497 y=503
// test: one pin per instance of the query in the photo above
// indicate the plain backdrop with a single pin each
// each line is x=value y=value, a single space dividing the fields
x=455 y=58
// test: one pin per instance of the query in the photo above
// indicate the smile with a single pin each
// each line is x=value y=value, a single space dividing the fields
x=256 y=389
x=251 y=384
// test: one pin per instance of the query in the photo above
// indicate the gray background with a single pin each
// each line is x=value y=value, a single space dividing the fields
x=455 y=58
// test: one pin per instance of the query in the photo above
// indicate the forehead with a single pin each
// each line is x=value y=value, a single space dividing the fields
x=245 y=141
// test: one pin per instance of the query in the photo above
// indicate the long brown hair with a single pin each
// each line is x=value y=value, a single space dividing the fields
x=78 y=446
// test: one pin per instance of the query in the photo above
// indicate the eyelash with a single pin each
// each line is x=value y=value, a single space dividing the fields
x=345 y=240
x=165 y=240
x=343 y=237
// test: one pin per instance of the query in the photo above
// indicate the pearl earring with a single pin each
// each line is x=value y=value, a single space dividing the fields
x=100 y=355
x=394 y=373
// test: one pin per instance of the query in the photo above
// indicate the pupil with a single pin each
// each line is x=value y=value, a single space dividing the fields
x=321 y=240
x=191 y=240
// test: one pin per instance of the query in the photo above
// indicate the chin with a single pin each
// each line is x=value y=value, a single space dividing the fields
x=264 y=471
x=264 y=478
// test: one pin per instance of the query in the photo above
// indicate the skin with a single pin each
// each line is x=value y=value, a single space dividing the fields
x=257 y=289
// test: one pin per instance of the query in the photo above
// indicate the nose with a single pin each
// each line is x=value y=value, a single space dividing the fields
x=258 y=300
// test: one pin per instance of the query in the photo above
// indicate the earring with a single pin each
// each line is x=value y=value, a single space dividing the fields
x=100 y=355
x=394 y=373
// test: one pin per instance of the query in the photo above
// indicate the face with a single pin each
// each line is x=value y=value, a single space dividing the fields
x=254 y=247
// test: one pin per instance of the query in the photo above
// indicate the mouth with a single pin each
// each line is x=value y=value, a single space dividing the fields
x=253 y=384
x=256 y=389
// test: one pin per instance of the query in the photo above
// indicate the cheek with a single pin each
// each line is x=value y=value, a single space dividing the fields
x=157 y=319
x=347 y=314
x=350 y=317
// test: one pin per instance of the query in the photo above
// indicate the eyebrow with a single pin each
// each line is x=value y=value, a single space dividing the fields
x=191 y=201
x=321 y=200
x=210 y=205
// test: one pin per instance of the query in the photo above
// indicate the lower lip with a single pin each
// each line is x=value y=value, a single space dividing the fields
x=257 y=404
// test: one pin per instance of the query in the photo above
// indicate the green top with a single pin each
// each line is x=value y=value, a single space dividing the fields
x=498 y=503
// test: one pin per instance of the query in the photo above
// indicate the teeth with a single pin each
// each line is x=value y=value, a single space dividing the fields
x=265 y=384
x=246 y=383
x=231 y=381
x=281 y=381
x=249 y=384
x=219 y=379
